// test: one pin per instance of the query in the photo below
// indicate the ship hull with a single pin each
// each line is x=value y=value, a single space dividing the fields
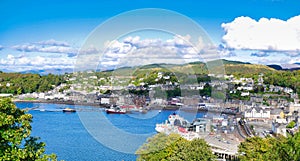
x=115 y=112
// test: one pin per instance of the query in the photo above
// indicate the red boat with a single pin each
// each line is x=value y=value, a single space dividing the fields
x=115 y=110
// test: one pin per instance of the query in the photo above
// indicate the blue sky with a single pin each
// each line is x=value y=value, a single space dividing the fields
x=47 y=34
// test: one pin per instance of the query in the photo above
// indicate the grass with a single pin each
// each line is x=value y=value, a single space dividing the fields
x=29 y=99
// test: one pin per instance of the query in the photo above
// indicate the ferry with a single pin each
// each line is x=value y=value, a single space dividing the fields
x=179 y=125
x=174 y=123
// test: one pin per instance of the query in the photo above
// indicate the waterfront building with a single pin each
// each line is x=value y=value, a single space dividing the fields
x=256 y=113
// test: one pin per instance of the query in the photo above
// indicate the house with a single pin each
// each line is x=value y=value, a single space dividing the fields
x=245 y=94
x=6 y=95
x=287 y=90
x=104 y=100
x=294 y=107
x=201 y=125
x=257 y=99
x=276 y=113
x=257 y=113
x=279 y=129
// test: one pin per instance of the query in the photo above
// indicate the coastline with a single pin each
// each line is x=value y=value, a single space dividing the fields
x=60 y=102
x=97 y=105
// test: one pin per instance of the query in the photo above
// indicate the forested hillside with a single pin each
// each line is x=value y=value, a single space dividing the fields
x=17 y=83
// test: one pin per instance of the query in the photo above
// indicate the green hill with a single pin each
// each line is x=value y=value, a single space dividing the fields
x=198 y=68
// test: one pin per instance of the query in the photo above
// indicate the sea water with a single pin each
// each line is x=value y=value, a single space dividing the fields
x=72 y=137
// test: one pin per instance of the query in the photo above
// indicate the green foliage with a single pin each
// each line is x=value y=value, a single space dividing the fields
x=291 y=124
x=247 y=70
x=218 y=95
x=257 y=148
x=174 y=93
x=290 y=150
x=289 y=79
x=206 y=91
x=280 y=149
x=15 y=140
x=165 y=94
x=237 y=95
x=139 y=92
x=174 y=148
x=203 y=78
x=159 y=93
x=17 y=83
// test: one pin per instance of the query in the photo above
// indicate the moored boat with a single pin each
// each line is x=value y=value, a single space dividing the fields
x=115 y=110
x=171 y=125
x=69 y=110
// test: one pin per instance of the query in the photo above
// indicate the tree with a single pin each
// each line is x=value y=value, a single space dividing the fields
x=206 y=91
x=280 y=149
x=291 y=124
x=195 y=150
x=15 y=140
x=257 y=148
x=174 y=148
x=290 y=150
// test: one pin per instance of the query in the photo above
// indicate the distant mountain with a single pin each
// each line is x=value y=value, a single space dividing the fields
x=231 y=67
x=161 y=65
x=274 y=66
x=289 y=67
x=223 y=61
x=233 y=62
x=48 y=71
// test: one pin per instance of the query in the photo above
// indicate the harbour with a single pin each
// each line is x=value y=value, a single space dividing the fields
x=64 y=133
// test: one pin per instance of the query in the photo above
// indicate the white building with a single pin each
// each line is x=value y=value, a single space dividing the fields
x=279 y=128
x=105 y=100
x=245 y=94
x=6 y=95
x=257 y=113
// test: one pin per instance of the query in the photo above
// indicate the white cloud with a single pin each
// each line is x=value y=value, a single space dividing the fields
x=225 y=52
x=260 y=54
x=132 y=51
x=263 y=35
x=56 y=49
x=43 y=49
x=48 y=46
x=53 y=42
x=272 y=60
x=23 y=62
x=89 y=50
x=295 y=60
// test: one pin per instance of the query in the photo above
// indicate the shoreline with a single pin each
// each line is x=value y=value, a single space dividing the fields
x=97 y=105
x=60 y=102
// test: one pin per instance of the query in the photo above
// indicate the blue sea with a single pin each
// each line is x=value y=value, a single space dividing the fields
x=92 y=135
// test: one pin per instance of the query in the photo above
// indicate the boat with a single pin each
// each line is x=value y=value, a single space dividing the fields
x=69 y=110
x=177 y=124
x=172 y=124
x=115 y=110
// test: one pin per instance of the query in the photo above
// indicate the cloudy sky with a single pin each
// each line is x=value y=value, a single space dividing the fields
x=49 y=34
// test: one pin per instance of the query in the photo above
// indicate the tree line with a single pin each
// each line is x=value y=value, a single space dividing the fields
x=175 y=148
x=17 y=83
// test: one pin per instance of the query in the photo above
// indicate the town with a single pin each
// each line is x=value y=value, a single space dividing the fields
x=240 y=107
x=274 y=106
